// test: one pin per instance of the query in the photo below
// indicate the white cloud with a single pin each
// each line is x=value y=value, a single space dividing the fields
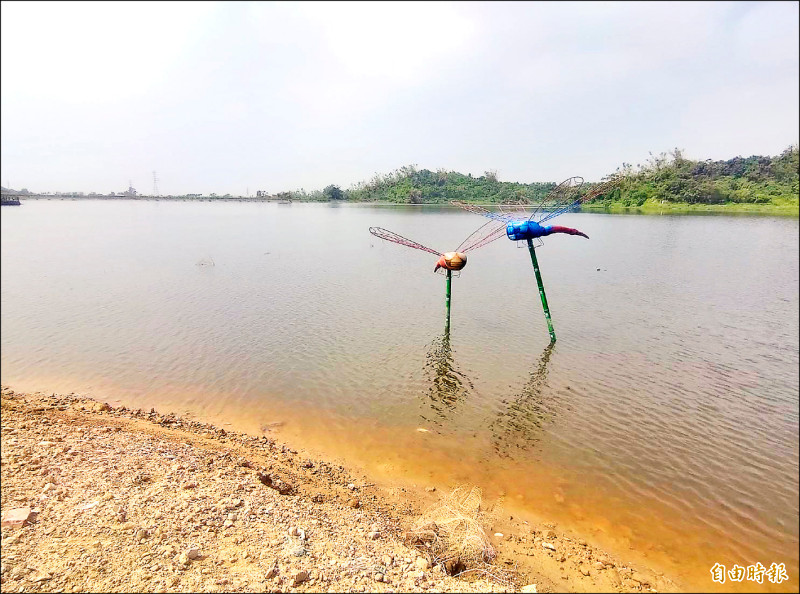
x=367 y=52
x=86 y=51
x=397 y=42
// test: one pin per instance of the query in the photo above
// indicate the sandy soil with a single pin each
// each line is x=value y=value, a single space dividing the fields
x=132 y=501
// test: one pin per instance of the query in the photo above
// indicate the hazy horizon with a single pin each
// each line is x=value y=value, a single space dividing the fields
x=230 y=97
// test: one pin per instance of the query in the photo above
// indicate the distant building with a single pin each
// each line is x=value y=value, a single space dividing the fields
x=129 y=193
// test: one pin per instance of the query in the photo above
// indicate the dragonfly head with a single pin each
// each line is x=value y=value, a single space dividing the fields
x=452 y=261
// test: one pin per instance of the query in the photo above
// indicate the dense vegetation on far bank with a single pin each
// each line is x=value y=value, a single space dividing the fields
x=674 y=181
x=669 y=180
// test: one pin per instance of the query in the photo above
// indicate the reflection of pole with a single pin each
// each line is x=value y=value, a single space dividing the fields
x=532 y=250
x=447 y=300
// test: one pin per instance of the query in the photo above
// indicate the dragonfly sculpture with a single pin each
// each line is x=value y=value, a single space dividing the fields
x=448 y=261
x=514 y=222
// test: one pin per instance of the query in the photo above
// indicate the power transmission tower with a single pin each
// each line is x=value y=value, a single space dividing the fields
x=155 y=184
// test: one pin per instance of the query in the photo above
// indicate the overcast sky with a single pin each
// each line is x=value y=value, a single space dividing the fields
x=280 y=96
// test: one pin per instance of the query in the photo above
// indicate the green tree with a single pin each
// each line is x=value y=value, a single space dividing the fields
x=333 y=192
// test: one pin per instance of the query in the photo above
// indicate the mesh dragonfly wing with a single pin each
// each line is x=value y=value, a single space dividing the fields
x=382 y=233
x=515 y=208
x=497 y=216
x=483 y=235
x=602 y=188
x=496 y=228
x=563 y=198
x=575 y=201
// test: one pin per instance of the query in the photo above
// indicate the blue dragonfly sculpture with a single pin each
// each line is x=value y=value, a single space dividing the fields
x=517 y=224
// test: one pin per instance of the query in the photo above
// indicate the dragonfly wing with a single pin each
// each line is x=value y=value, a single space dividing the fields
x=602 y=188
x=382 y=233
x=596 y=190
x=561 y=197
x=497 y=216
x=483 y=235
x=517 y=209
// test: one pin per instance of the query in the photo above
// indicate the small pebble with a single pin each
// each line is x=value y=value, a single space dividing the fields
x=300 y=577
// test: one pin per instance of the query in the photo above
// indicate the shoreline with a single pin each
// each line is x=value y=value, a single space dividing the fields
x=120 y=489
x=649 y=208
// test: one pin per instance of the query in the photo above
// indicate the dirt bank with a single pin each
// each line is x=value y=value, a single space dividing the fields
x=133 y=501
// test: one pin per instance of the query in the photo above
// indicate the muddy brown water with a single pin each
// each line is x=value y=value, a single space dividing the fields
x=663 y=422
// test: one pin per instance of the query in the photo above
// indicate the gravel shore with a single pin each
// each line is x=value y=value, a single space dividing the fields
x=118 y=500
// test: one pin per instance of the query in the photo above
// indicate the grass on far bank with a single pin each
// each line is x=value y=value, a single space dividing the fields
x=788 y=207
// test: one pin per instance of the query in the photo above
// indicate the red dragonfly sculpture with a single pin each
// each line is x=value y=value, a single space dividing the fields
x=448 y=261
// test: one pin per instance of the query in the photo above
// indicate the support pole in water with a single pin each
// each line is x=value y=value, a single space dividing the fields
x=535 y=262
x=447 y=300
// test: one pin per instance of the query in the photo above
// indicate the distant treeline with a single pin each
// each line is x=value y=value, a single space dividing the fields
x=668 y=177
x=409 y=185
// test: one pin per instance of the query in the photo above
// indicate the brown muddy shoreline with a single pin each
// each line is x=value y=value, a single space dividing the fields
x=137 y=501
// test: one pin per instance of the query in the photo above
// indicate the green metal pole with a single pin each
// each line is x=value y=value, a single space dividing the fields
x=535 y=262
x=447 y=300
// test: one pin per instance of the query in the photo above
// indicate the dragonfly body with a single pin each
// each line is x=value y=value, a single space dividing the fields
x=525 y=229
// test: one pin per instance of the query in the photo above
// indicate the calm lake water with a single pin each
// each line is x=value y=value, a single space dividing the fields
x=664 y=421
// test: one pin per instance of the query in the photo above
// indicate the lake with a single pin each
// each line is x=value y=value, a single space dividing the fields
x=664 y=420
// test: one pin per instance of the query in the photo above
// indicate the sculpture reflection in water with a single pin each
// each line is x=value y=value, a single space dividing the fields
x=449 y=386
x=517 y=429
